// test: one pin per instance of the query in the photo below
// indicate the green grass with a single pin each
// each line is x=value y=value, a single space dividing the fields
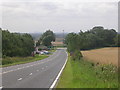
x=53 y=50
x=9 y=61
x=84 y=74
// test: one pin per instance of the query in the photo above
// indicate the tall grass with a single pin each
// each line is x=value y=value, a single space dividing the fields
x=85 y=74
x=8 y=61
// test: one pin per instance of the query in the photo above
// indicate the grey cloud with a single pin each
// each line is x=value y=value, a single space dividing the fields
x=39 y=16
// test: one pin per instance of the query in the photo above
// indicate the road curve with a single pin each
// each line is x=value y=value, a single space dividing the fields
x=38 y=74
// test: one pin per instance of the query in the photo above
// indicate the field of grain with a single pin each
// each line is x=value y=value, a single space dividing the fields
x=103 y=56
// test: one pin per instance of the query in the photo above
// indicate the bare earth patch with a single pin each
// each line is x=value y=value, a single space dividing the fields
x=103 y=56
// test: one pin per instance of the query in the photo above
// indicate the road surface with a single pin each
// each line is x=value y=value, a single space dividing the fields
x=39 y=74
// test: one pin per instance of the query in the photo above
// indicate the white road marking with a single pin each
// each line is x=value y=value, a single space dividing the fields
x=30 y=74
x=19 y=68
x=24 y=67
x=27 y=66
x=37 y=70
x=1 y=87
x=31 y=65
x=19 y=79
x=57 y=78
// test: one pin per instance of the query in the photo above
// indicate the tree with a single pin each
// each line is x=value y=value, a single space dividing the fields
x=72 y=42
x=117 y=40
x=94 y=38
x=16 y=44
x=47 y=38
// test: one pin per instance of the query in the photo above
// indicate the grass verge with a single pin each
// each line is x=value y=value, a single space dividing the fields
x=9 y=61
x=85 y=74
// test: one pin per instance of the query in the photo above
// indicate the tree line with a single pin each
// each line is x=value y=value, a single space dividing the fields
x=16 y=44
x=96 y=37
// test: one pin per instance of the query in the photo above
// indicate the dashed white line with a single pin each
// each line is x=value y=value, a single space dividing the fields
x=18 y=68
x=27 y=66
x=30 y=74
x=19 y=79
x=37 y=70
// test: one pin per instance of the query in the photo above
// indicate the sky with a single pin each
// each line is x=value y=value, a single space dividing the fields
x=33 y=16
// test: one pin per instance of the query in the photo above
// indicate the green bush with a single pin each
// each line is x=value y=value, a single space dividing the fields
x=77 y=55
x=7 y=61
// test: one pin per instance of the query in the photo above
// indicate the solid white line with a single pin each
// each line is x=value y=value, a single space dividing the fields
x=19 y=79
x=57 y=78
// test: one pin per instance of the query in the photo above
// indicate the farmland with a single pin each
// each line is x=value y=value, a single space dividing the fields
x=84 y=74
x=102 y=56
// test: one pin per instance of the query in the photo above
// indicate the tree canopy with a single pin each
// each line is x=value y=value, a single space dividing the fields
x=94 y=38
x=47 y=38
x=15 y=44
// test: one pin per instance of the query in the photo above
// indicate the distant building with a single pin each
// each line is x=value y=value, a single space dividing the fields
x=42 y=47
x=57 y=43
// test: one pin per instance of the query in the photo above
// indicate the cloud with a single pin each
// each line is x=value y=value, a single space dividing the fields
x=58 y=15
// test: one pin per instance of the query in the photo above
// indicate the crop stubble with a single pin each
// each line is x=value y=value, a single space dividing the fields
x=103 y=56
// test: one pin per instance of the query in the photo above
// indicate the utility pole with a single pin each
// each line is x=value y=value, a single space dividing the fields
x=63 y=38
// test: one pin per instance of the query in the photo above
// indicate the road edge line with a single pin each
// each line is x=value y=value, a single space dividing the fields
x=57 y=78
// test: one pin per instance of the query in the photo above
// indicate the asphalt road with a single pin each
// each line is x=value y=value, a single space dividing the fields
x=39 y=74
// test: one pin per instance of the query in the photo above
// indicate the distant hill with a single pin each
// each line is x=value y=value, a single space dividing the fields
x=36 y=36
x=59 y=36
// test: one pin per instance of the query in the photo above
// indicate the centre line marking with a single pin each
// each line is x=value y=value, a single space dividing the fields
x=19 y=79
x=30 y=74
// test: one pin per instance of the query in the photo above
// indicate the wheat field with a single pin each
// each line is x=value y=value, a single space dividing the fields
x=103 y=56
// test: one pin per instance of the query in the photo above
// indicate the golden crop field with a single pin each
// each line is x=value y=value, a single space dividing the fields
x=103 y=56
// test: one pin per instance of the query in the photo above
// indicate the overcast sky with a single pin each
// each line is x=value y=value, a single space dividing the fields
x=58 y=15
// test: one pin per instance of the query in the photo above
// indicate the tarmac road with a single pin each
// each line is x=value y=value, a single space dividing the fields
x=38 y=74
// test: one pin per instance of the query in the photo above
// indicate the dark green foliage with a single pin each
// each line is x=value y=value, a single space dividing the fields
x=0 y=43
x=15 y=44
x=117 y=40
x=95 y=38
x=38 y=43
x=77 y=55
x=72 y=42
x=47 y=38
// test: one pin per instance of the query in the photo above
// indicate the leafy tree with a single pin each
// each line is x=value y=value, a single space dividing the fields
x=94 y=38
x=117 y=40
x=15 y=44
x=72 y=42
x=47 y=38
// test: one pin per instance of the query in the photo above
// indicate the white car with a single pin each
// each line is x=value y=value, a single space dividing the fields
x=42 y=53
